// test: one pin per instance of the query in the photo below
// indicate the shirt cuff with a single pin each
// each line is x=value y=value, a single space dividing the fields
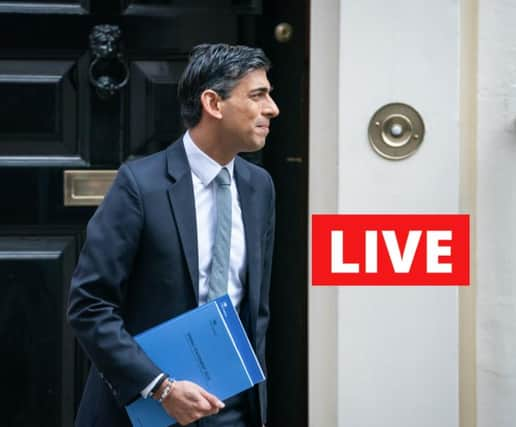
x=146 y=391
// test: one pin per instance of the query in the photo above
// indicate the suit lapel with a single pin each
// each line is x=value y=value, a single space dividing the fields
x=249 y=209
x=182 y=202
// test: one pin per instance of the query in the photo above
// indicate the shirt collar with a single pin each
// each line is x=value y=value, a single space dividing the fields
x=202 y=165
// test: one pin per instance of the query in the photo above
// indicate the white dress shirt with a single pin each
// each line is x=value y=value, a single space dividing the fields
x=204 y=170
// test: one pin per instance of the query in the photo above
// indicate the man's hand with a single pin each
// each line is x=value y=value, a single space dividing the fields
x=187 y=402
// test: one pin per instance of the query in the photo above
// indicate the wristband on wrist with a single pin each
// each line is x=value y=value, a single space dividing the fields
x=167 y=390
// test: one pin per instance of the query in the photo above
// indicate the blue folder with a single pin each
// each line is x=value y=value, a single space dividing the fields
x=207 y=346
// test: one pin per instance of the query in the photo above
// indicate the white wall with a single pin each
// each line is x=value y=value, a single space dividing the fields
x=390 y=356
x=392 y=351
x=496 y=213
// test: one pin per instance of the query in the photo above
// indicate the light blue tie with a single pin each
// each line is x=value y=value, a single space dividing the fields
x=218 y=284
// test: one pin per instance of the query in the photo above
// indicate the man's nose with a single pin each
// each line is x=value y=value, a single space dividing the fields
x=271 y=109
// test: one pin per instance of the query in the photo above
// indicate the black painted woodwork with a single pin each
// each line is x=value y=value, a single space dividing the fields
x=154 y=88
x=37 y=352
x=51 y=119
x=38 y=113
x=286 y=157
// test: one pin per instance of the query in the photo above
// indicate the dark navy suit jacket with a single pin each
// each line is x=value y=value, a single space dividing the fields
x=139 y=267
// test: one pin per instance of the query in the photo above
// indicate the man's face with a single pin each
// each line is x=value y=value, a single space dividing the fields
x=247 y=113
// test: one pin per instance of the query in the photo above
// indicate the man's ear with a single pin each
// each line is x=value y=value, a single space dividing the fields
x=211 y=104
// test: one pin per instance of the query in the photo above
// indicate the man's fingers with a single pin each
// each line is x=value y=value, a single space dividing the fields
x=203 y=405
x=214 y=401
x=203 y=401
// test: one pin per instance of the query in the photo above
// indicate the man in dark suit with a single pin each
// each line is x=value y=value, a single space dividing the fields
x=156 y=248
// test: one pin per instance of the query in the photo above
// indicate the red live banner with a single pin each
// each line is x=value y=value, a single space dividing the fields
x=417 y=250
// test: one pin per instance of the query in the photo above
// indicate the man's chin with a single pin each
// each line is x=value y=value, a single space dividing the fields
x=254 y=146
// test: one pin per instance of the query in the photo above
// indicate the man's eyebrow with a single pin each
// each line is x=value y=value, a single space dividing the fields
x=263 y=89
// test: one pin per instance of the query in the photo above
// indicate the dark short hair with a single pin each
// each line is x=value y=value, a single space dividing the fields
x=218 y=67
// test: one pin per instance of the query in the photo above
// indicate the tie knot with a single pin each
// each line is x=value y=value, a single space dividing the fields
x=223 y=178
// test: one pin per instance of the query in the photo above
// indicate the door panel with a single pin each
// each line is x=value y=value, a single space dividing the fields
x=38 y=115
x=37 y=351
x=154 y=115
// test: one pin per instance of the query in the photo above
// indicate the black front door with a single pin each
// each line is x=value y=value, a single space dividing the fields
x=85 y=85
